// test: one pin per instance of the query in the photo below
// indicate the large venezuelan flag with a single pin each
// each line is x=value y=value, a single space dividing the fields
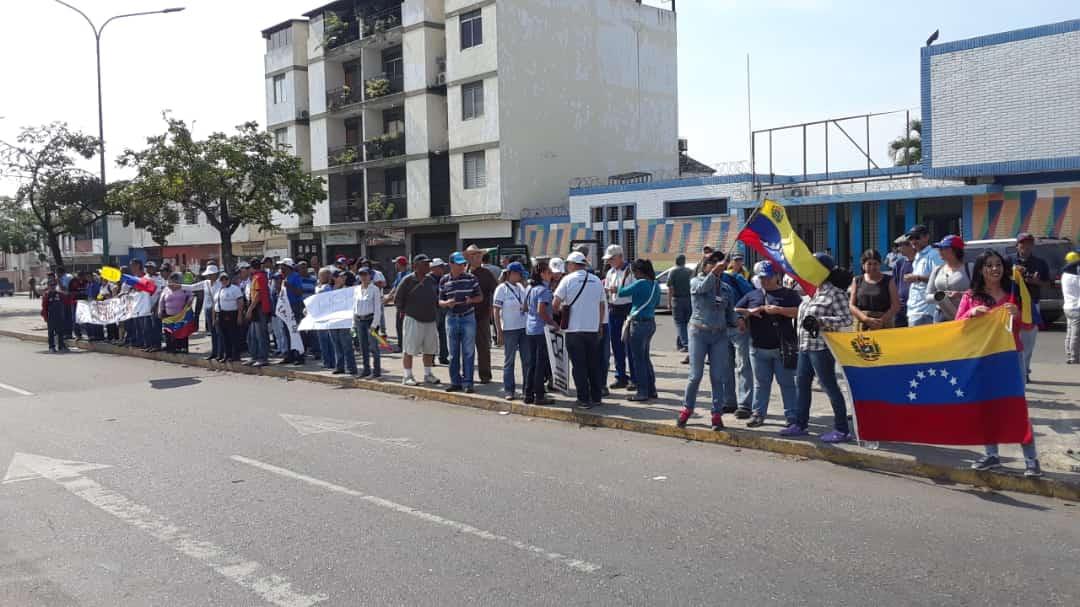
x=954 y=383
x=181 y=324
x=770 y=233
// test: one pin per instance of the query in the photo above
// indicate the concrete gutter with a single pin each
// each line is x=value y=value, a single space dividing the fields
x=1048 y=486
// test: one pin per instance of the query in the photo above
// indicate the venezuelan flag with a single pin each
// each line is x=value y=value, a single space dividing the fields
x=770 y=233
x=181 y=324
x=954 y=383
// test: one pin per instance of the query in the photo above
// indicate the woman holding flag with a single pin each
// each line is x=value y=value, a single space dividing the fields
x=991 y=287
x=174 y=308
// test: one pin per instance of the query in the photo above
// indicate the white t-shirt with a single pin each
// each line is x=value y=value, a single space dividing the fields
x=227 y=298
x=585 y=311
x=623 y=277
x=510 y=299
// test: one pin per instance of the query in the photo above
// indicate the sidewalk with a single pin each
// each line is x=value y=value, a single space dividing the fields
x=1054 y=402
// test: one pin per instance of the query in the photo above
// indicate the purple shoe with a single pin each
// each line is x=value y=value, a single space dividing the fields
x=793 y=430
x=836 y=437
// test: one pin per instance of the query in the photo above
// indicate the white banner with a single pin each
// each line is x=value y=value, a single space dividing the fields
x=110 y=311
x=329 y=310
x=559 y=359
x=284 y=312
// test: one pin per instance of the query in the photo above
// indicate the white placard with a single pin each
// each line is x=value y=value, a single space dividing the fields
x=329 y=310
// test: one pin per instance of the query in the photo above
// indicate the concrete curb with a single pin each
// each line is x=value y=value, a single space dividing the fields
x=1047 y=486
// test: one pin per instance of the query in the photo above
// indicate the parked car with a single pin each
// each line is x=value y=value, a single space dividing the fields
x=1050 y=250
x=6 y=288
x=665 y=297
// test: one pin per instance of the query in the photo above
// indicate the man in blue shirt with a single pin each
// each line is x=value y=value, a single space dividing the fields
x=901 y=268
x=739 y=376
x=459 y=293
x=294 y=290
x=920 y=311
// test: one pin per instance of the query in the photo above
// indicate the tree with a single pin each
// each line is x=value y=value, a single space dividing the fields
x=146 y=213
x=53 y=194
x=907 y=150
x=18 y=232
x=235 y=180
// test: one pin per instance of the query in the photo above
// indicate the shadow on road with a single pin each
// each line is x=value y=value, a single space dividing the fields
x=174 y=382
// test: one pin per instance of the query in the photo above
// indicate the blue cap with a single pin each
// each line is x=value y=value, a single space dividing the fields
x=516 y=267
x=457 y=258
x=765 y=269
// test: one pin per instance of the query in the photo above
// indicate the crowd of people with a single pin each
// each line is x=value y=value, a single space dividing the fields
x=747 y=328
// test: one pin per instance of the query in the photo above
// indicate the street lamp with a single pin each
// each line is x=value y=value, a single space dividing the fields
x=101 y=117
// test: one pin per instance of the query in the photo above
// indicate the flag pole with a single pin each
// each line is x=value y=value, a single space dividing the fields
x=731 y=248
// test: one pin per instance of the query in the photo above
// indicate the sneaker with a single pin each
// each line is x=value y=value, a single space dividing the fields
x=836 y=437
x=364 y=373
x=52 y=350
x=547 y=400
x=728 y=409
x=685 y=360
x=717 y=422
x=453 y=388
x=469 y=389
x=259 y=363
x=509 y=396
x=338 y=371
x=408 y=381
x=742 y=413
x=248 y=363
x=431 y=379
x=684 y=416
x=375 y=376
x=618 y=385
x=793 y=430
x=581 y=405
x=755 y=421
x=635 y=398
x=1033 y=470
x=485 y=381
x=631 y=387
x=987 y=462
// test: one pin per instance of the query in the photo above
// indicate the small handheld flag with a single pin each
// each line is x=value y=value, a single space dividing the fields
x=1020 y=291
x=139 y=284
x=110 y=274
x=770 y=233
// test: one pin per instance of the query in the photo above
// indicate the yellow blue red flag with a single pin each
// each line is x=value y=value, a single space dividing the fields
x=770 y=233
x=181 y=324
x=954 y=383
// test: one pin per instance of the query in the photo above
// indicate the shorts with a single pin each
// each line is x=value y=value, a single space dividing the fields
x=420 y=337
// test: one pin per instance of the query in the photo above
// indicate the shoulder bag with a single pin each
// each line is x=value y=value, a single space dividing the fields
x=564 y=317
x=629 y=319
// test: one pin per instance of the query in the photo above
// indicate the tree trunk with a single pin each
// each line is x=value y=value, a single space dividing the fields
x=227 y=259
x=54 y=248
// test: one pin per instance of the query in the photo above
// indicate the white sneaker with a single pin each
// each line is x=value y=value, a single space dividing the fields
x=431 y=379
x=408 y=381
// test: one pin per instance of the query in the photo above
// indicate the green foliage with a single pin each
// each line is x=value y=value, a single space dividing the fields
x=377 y=87
x=379 y=209
x=333 y=30
x=235 y=180
x=907 y=150
x=144 y=211
x=19 y=233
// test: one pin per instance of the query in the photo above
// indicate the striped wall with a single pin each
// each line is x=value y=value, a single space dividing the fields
x=1051 y=211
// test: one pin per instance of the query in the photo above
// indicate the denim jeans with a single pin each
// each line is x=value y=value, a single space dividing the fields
x=922 y=319
x=1027 y=337
x=154 y=339
x=281 y=339
x=341 y=343
x=641 y=334
x=1030 y=455
x=326 y=346
x=616 y=318
x=1072 y=335
x=440 y=323
x=215 y=338
x=461 y=333
x=260 y=337
x=514 y=346
x=680 y=313
x=536 y=366
x=739 y=376
x=714 y=345
x=585 y=350
x=369 y=346
x=819 y=363
x=145 y=331
x=56 y=324
x=768 y=364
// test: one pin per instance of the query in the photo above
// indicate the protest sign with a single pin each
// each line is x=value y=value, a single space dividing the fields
x=329 y=310
x=284 y=312
x=559 y=359
x=111 y=311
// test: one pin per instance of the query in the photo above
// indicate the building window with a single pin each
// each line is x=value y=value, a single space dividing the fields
x=472 y=29
x=691 y=208
x=191 y=215
x=629 y=212
x=279 y=89
x=613 y=237
x=280 y=39
x=475 y=170
x=598 y=214
x=613 y=213
x=630 y=244
x=472 y=100
x=280 y=138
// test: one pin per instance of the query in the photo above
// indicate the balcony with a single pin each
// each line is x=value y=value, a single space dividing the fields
x=383 y=85
x=347 y=210
x=345 y=34
x=382 y=207
x=342 y=97
x=344 y=155
x=386 y=146
x=379 y=21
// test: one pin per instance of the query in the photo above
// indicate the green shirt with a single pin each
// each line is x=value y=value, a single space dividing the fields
x=679 y=281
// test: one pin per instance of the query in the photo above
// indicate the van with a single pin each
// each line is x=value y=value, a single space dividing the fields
x=1050 y=250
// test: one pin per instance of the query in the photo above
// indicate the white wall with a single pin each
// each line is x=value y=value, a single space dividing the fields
x=585 y=89
x=419 y=50
x=650 y=203
x=417 y=11
x=475 y=60
x=484 y=129
x=417 y=175
x=478 y=200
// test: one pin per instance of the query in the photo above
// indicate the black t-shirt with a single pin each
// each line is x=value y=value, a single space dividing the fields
x=1032 y=265
x=765 y=331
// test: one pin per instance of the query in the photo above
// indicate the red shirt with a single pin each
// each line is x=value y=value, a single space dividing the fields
x=260 y=290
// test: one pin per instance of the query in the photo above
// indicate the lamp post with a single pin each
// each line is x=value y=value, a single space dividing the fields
x=101 y=116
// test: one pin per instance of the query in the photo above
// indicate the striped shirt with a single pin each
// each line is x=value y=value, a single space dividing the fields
x=459 y=289
x=829 y=306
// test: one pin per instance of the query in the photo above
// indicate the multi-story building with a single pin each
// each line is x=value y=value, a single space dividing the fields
x=436 y=123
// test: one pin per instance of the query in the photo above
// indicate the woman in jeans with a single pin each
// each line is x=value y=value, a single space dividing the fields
x=1070 y=290
x=874 y=301
x=368 y=317
x=950 y=280
x=827 y=310
x=712 y=316
x=991 y=287
x=644 y=296
x=538 y=300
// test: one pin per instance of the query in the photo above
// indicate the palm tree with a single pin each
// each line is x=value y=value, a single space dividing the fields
x=907 y=150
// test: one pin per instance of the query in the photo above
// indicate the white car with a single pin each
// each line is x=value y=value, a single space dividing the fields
x=665 y=296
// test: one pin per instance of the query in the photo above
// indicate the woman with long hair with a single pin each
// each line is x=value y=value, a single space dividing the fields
x=874 y=299
x=950 y=280
x=538 y=314
x=991 y=287
x=644 y=296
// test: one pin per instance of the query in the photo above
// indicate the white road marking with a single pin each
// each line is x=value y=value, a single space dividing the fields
x=248 y=574
x=572 y=563
x=305 y=425
x=16 y=390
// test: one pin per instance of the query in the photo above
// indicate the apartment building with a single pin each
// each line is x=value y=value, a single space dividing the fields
x=437 y=123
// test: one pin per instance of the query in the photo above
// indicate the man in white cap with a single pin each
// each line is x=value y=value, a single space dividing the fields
x=210 y=289
x=618 y=276
x=581 y=296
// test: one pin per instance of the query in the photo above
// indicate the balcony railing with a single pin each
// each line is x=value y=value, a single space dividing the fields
x=383 y=85
x=386 y=146
x=347 y=210
x=338 y=32
x=383 y=207
x=341 y=97
x=382 y=20
x=346 y=154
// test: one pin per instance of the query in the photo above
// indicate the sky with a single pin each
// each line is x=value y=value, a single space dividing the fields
x=810 y=60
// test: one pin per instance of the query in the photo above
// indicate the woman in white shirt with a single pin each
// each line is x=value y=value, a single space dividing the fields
x=1070 y=290
x=227 y=303
x=510 y=310
x=367 y=312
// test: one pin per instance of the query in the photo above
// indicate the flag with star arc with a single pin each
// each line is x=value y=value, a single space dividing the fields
x=955 y=383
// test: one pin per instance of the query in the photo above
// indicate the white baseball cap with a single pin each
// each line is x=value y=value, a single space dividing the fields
x=612 y=251
x=211 y=270
x=557 y=265
x=578 y=258
x=287 y=262
x=437 y=262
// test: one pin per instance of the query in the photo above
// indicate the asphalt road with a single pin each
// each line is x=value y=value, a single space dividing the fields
x=216 y=489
